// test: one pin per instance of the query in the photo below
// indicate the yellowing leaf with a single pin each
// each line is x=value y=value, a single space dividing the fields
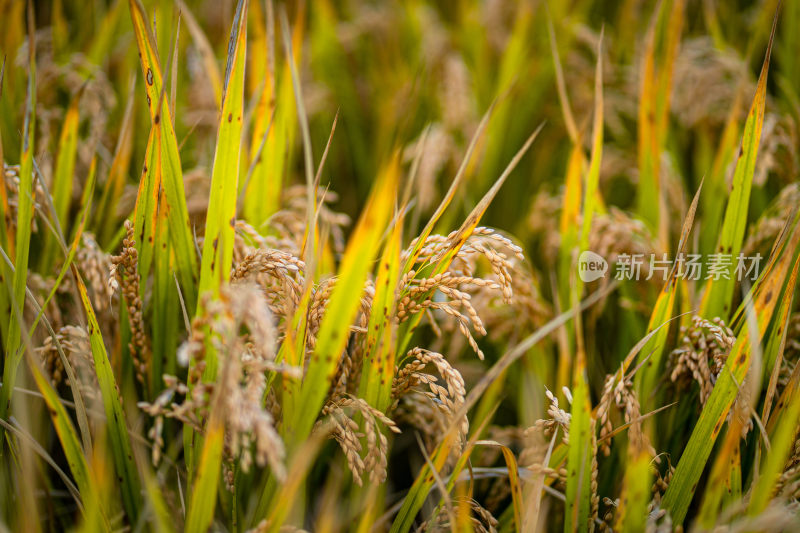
x=221 y=216
x=718 y=296
x=344 y=302
x=168 y=158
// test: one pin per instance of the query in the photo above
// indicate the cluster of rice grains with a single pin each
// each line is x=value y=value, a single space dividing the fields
x=458 y=438
x=487 y=286
x=127 y=262
x=248 y=321
x=702 y=353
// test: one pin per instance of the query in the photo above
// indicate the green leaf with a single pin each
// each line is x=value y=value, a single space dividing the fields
x=783 y=430
x=344 y=302
x=63 y=179
x=162 y=520
x=83 y=422
x=69 y=443
x=165 y=300
x=724 y=481
x=204 y=489
x=115 y=416
x=145 y=213
x=718 y=296
x=593 y=175
x=22 y=240
x=221 y=217
x=662 y=311
x=376 y=378
x=168 y=158
x=764 y=298
x=632 y=514
x=582 y=447
x=782 y=446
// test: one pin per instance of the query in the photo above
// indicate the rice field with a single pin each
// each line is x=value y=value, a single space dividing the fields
x=359 y=266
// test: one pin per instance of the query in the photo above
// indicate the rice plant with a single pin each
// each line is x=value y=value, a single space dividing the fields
x=425 y=266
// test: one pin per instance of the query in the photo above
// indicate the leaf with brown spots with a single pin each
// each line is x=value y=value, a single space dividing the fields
x=218 y=243
x=376 y=379
x=216 y=261
x=776 y=279
x=719 y=291
x=345 y=299
x=168 y=157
